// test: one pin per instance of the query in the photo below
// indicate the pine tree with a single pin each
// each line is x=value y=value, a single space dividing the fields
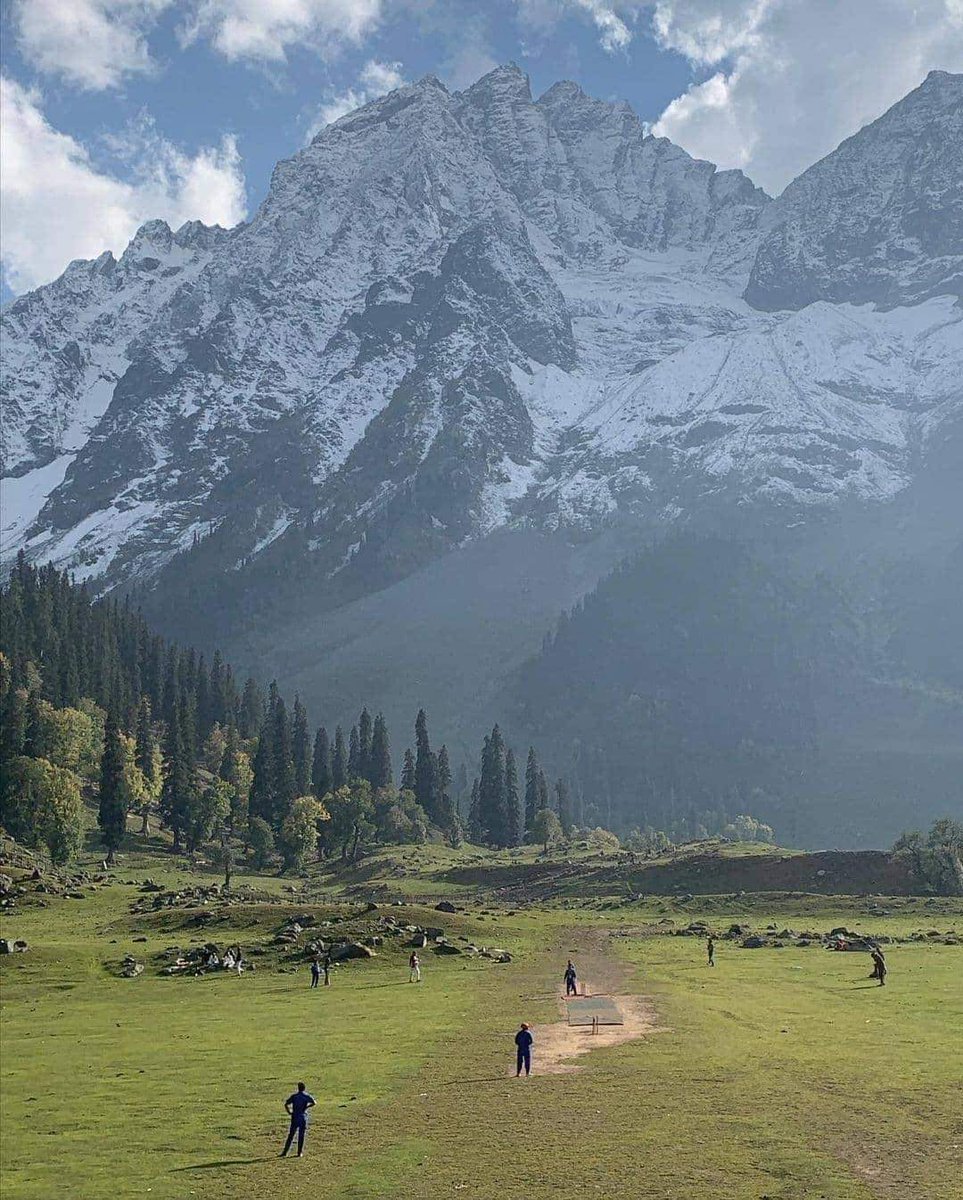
x=251 y=715
x=354 y=754
x=321 y=764
x=408 y=772
x=285 y=787
x=179 y=793
x=512 y=831
x=114 y=792
x=475 y=831
x=13 y=723
x=144 y=751
x=542 y=791
x=300 y=748
x=339 y=761
x=448 y=818
x=364 y=745
x=425 y=769
x=261 y=803
x=35 y=740
x=563 y=805
x=491 y=789
x=380 y=774
x=531 y=792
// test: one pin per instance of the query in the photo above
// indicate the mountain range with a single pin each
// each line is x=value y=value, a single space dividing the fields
x=474 y=349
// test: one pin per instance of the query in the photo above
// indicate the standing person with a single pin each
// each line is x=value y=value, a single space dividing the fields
x=315 y=972
x=414 y=968
x=297 y=1106
x=711 y=951
x=523 y=1050
x=327 y=969
x=571 y=980
x=879 y=966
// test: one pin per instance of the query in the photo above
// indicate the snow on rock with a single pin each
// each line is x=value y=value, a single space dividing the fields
x=456 y=311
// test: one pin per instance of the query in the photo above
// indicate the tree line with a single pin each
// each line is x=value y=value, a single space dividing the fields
x=94 y=704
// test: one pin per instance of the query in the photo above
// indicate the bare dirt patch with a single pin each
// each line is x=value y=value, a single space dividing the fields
x=557 y=1044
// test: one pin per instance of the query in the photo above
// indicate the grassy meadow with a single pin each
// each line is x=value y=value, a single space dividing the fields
x=784 y=1073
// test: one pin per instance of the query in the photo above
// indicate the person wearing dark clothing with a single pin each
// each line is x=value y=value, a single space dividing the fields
x=315 y=973
x=297 y=1106
x=523 y=1045
x=326 y=964
x=711 y=951
x=571 y=980
x=879 y=966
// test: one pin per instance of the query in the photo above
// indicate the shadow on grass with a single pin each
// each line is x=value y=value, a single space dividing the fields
x=462 y=1082
x=225 y=1162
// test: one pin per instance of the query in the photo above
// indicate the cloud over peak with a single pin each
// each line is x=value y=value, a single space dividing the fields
x=795 y=79
x=47 y=177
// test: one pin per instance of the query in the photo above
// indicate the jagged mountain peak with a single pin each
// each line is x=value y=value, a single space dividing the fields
x=453 y=311
x=880 y=219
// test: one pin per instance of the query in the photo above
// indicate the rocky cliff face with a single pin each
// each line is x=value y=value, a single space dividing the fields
x=457 y=312
x=880 y=219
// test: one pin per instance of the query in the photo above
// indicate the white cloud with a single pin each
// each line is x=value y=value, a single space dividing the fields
x=794 y=79
x=614 y=34
x=611 y=20
x=376 y=79
x=93 y=44
x=267 y=29
x=56 y=206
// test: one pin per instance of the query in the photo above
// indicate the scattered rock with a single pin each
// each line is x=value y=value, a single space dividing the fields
x=351 y=950
x=445 y=906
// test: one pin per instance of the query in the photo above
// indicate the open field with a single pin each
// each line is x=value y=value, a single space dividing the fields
x=782 y=1073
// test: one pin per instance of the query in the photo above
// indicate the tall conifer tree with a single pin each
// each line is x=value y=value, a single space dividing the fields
x=425 y=769
x=354 y=754
x=321 y=764
x=300 y=748
x=491 y=793
x=447 y=817
x=179 y=793
x=251 y=715
x=339 y=761
x=408 y=772
x=114 y=793
x=381 y=775
x=285 y=788
x=531 y=792
x=512 y=813
x=145 y=745
x=364 y=745
x=544 y=800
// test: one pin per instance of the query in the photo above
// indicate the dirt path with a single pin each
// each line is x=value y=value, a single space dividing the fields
x=557 y=1044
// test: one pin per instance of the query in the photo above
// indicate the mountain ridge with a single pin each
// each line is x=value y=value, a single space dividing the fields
x=435 y=320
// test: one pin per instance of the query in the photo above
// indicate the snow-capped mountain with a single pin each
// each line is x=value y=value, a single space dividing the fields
x=880 y=219
x=455 y=312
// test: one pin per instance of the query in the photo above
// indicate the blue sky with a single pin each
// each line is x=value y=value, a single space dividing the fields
x=119 y=110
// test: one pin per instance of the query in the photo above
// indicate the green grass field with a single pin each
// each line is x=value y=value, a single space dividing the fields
x=781 y=1073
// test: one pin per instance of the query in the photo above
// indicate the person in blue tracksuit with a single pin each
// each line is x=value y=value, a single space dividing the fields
x=523 y=1045
x=297 y=1106
x=571 y=980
